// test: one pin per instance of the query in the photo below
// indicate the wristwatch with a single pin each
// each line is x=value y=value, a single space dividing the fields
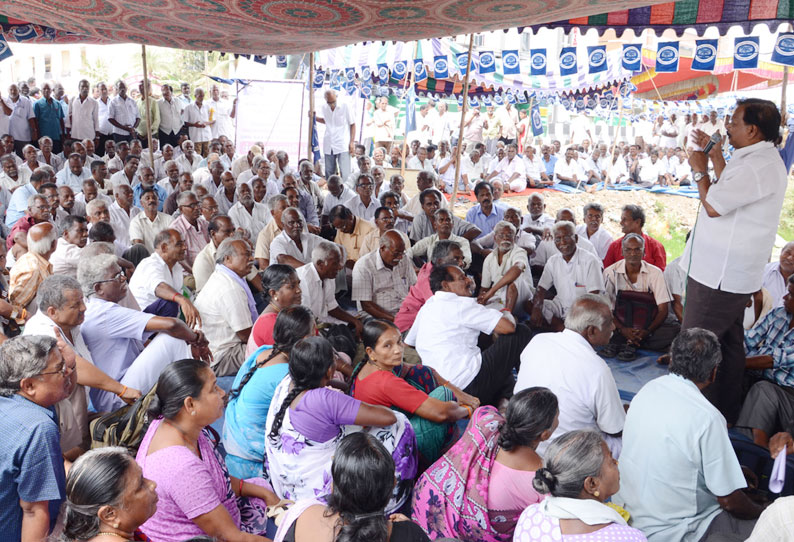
x=697 y=175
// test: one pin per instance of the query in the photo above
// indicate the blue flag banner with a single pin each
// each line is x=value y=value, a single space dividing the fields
x=537 y=121
x=473 y=102
x=537 y=61
x=460 y=100
x=522 y=98
x=319 y=79
x=597 y=59
x=487 y=62
x=487 y=102
x=705 y=55
x=5 y=50
x=568 y=61
x=259 y=59
x=350 y=74
x=510 y=63
x=281 y=61
x=745 y=53
x=498 y=100
x=366 y=90
x=441 y=67
x=400 y=69
x=366 y=73
x=784 y=50
x=383 y=73
x=667 y=57
x=460 y=62
x=315 y=143
x=509 y=98
x=420 y=73
x=632 y=57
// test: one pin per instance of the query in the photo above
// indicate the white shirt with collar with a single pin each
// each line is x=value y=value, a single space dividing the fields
x=572 y=279
x=149 y=274
x=600 y=240
x=367 y=212
x=730 y=251
x=415 y=163
x=332 y=201
x=120 y=177
x=567 y=169
x=337 y=127
x=579 y=377
x=124 y=111
x=120 y=221
x=194 y=114
x=65 y=177
x=534 y=167
x=445 y=335
x=546 y=249
x=170 y=115
x=187 y=165
x=283 y=244
x=83 y=118
x=223 y=305
x=65 y=258
x=507 y=168
x=774 y=283
x=146 y=230
x=318 y=294
x=254 y=221
x=103 y=109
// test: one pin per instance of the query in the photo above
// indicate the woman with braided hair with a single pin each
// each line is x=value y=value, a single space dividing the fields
x=282 y=290
x=479 y=487
x=307 y=420
x=252 y=391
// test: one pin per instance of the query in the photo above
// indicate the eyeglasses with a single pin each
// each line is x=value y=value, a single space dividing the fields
x=192 y=205
x=367 y=186
x=118 y=277
x=62 y=370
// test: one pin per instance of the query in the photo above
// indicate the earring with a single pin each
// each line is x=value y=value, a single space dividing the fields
x=193 y=413
x=597 y=494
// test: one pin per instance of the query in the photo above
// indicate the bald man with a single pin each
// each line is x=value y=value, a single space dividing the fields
x=340 y=134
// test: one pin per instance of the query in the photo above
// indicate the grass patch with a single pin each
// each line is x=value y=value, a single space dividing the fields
x=786 y=227
x=675 y=243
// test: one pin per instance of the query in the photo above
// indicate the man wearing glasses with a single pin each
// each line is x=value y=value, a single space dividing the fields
x=192 y=226
x=363 y=204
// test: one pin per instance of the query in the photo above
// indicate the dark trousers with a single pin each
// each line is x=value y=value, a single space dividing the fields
x=721 y=313
x=57 y=146
x=18 y=146
x=163 y=307
x=122 y=137
x=495 y=380
x=170 y=139
x=103 y=138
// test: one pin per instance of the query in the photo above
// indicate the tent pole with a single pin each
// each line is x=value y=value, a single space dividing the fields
x=783 y=91
x=146 y=91
x=463 y=110
x=311 y=109
x=409 y=81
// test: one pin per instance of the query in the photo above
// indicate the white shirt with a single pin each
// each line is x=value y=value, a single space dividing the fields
x=194 y=114
x=254 y=221
x=367 y=212
x=83 y=118
x=149 y=274
x=65 y=177
x=472 y=171
x=546 y=249
x=223 y=305
x=730 y=251
x=103 y=109
x=566 y=169
x=146 y=230
x=283 y=244
x=120 y=221
x=221 y=115
x=586 y=391
x=650 y=171
x=445 y=335
x=600 y=239
x=170 y=115
x=187 y=165
x=124 y=111
x=65 y=258
x=332 y=201
x=19 y=120
x=317 y=294
x=507 y=168
x=774 y=283
x=166 y=185
x=676 y=459
x=415 y=163
x=571 y=279
x=337 y=127
x=534 y=167
x=544 y=221
x=120 y=177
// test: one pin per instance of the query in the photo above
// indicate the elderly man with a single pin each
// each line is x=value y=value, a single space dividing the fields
x=145 y=226
x=245 y=162
x=776 y=274
x=425 y=180
x=592 y=230
x=506 y=278
x=537 y=221
x=351 y=230
x=678 y=468
x=90 y=191
x=276 y=205
x=546 y=248
x=73 y=174
x=189 y=160
x=32 y=267
x=338 y=194
x=49 y=117
x=10 y=178
x=572 y=272
x=22 y=125
x=115 y=335
x=305 y=202
x=185 y=183
x=227 y=306
x=121 y=214
x=484 y=215
x=640 y=299
x=381 y=279
x=442 y=223
x=308 y=182
x=632 y=220
x=247 y=214
x=510 y=170
x=340 y=132
x=446 y=331
x=226 y=194
x=422 y=225
x=157 y=282
x=67 y=254
x=38 y=212
x=581 y=380
x=420 y=161
x=384 y=221
x=32 y=162
x=34 y=377
x=220 y=227
x=472 y=170
x=147 y=182
x=123 y=114
x=196 y=117
x=192 y=226
x=363 y=204
x=19 y=199
x=293 y=246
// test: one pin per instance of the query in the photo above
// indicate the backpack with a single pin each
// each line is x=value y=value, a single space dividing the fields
x=124 y=427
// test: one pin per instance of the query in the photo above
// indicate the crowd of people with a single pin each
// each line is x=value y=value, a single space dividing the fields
x=397 y=372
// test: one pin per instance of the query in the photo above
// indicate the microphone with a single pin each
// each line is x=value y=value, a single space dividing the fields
x=715 y=138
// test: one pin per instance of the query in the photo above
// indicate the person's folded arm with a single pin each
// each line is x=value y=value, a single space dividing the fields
x=738 y=504
x=376 y=311
x=377 y=416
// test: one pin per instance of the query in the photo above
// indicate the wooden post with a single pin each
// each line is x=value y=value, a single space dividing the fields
x=783 y=90
x=409 y=83
x=462 y=122
x=311 y=109
x=146 y=92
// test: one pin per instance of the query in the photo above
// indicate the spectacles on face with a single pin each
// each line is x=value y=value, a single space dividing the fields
x=118 y=277
x=191 y=205
x=366 y=186
x=62 y=370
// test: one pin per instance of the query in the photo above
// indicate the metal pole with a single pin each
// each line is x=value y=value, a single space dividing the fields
x=146 y=92
x=311 y=108
x=462 y=121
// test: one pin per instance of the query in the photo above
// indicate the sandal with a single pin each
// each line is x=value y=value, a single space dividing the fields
x=629 y=353
x=609 y=351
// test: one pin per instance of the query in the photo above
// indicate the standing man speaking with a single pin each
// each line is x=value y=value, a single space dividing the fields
x=340 y=134
x=733 y=237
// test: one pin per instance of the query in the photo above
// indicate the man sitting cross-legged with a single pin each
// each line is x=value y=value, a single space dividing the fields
x=506 y=278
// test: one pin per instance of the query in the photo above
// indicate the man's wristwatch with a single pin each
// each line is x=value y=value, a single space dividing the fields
x=698 y=175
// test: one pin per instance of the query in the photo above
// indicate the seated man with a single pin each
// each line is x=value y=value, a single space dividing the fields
x=128 y=175
x=247 y=214
x=776 y=274
x=73 y=174
x=632 y=220
x=567 y=171
x=640 y=300
x=148 y=181
x=506 y=278
x=363 y=204
x=33 y=266
x=678 y=472
x=535 y=169
x=67 y=253
x=485 y=215
x=157 y=281
x=442 y=223
x=338 y=194
x=34 y=377
x=422 y=225
x=592 y=231
x=381 y=279
x=318 y=287
x=115 y=335
x=446 y=331
x=537 y=221
x=651 y=170
x=305 y=202
x=572 y=271
x=472 y=171
x=38 y=212
x=546 y=248
x=351 y=230
x=293 y=246
x=510 y=170
x=192 y=227
x=485 y=244
x=145 y=226
x=425 y=180
x=567 y=364
x=277 y=205
x=227 y=306
x=18 y=202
